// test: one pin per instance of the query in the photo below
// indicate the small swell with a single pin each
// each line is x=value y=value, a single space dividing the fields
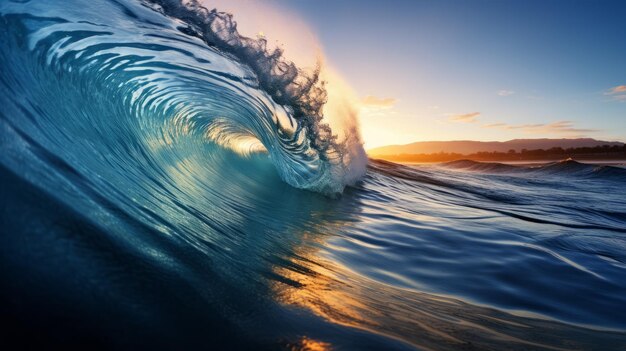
x=470 y=165
x=571 y=167
x=567 y=167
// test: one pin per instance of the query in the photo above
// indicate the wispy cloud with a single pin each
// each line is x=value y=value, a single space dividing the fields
x=505 y=92
x=376 y=102
x=559 y=127
x=465 y=118
x=617 y=93
x=497 y=125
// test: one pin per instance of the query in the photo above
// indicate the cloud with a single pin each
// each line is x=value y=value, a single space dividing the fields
x=619 y=89
x=559 y=127
x=496 y=125
x=505 y=92
x=376 y=102
x=465 y=118
x=617 y=93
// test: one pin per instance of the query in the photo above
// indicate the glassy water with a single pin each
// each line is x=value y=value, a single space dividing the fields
x=165 y=184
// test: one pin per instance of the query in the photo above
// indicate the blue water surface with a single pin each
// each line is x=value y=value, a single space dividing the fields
x=156 y=189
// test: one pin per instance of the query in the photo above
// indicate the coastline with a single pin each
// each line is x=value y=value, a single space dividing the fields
x=522 y=163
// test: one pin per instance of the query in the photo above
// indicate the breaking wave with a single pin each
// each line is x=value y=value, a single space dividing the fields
x=180 y=72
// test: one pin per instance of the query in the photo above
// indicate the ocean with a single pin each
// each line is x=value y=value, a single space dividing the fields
x=168 y=183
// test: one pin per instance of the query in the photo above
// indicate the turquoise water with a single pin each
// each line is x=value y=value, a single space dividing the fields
x=166 y=183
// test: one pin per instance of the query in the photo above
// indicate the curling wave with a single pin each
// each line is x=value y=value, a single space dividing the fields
x=189 y=74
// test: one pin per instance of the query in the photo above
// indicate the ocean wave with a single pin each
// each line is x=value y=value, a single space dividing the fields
x=187 y=74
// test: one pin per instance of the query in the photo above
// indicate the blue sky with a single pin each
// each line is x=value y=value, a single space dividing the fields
x=481 y=70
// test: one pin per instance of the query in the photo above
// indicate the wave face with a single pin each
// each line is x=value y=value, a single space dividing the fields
x=164 y=182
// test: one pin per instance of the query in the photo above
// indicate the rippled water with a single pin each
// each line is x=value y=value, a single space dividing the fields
x=151 y=191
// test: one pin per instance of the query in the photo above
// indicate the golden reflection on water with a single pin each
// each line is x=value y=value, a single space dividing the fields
x=308 y=344
x=427 y=321
x=316 y=290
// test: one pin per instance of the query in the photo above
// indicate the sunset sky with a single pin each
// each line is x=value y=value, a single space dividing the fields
x=479 y=70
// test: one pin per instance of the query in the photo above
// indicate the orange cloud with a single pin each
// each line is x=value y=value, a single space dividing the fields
x=617 y=93
x=496 y=125
x=373 y=101
x=465 y=118
x=559 y=127
x=619 y=89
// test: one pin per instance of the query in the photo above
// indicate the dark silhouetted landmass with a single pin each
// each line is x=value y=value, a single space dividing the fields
x=468 y=147
x=600 y=152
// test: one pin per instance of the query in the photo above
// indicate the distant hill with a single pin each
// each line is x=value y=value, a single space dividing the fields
x=466 y=147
